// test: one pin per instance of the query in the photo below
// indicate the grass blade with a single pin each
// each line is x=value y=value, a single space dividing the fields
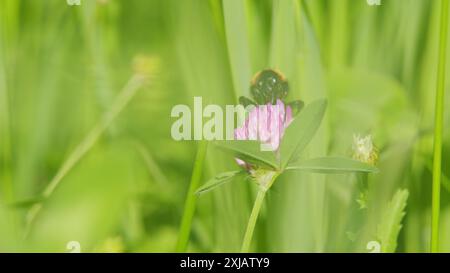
x=25 y=203
x=191 y=199
x=80 y=151
x=238 y=48
x=438 y=129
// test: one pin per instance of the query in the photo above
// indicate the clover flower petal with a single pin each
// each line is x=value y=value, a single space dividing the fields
x=265 y=123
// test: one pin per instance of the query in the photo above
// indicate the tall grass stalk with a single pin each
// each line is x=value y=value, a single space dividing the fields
x=191 y=199
x=9 y=22
x=8 y=27
x=133 y=85
x=237 y=44
x=5 y=136
x=438 y=129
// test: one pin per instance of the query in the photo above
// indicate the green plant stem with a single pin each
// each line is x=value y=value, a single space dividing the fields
x=264 y=184
x=252 y=221
x=438 y=129
x=191 y=199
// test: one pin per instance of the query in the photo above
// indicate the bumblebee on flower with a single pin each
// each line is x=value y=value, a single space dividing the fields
x=270 y=139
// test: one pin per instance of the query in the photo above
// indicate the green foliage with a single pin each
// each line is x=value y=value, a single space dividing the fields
x=217 y=180
x=391 y=221
x=102 y=168
x=332 y=165
x=250 y=151
x=301 y=131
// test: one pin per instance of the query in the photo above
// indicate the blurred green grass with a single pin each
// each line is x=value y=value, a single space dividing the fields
x=62 y=67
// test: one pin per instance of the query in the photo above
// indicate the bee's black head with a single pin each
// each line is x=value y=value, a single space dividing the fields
x=267 y=86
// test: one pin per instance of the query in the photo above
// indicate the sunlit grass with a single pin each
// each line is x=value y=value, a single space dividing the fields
x=438 y=131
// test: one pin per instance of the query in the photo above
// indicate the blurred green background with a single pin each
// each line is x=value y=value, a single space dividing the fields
x=76 y=113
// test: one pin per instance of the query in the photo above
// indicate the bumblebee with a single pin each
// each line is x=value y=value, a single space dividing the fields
x=268 y=86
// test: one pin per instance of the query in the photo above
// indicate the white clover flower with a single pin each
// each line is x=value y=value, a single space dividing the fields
x=364 y=150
